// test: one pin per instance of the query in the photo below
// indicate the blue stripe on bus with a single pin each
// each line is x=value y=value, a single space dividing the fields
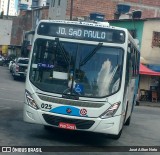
x=63 y=110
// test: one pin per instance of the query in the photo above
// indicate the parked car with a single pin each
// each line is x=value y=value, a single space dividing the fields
x=19 y=68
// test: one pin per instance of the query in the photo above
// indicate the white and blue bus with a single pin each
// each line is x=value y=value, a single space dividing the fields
x=81 y=76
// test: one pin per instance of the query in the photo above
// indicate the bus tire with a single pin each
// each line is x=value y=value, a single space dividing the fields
x=47 y=127
x=124 y=122
x=127 y=123
x=116 y=137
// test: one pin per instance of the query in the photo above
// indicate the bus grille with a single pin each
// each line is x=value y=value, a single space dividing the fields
x=80 y=124
x=71 y=102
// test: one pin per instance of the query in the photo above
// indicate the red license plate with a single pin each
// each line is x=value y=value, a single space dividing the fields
x=67 y=126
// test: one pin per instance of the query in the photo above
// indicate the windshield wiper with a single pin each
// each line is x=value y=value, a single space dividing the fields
x=88 y=57
x=63 y=51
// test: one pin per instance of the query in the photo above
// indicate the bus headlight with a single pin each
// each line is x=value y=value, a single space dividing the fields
x=110 y=111
x=30 y=100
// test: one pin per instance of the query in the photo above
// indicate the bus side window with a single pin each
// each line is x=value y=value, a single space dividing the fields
x=136 y=64
x=133 y=61
x=128 y=68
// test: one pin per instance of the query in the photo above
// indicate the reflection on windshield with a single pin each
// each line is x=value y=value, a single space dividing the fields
x=74 y=68
x=105 y=77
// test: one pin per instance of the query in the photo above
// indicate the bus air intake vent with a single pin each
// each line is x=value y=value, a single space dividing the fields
x=55 y=120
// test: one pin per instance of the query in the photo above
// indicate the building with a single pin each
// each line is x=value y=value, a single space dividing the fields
x=44 y=3
x=24 y=25
x=135 y=27
x=147 y=32
x=74 y=9
x=24 y=4
x=29 y=13
x=150 y=48
x=5 y=31
x=5 y=35
x=8 y=7
x=151 y=41
x=30 y=4
x=57 y=9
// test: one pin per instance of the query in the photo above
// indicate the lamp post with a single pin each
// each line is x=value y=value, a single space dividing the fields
x=71 y=10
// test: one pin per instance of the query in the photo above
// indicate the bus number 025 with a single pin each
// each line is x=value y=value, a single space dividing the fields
x=46 y=106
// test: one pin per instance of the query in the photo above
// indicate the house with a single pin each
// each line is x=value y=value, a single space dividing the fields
x=147 y=34
x=150 y=48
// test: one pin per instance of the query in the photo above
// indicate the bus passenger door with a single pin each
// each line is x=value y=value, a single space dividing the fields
x=129 y=84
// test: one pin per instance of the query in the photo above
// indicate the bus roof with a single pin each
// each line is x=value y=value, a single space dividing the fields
x=85 y=23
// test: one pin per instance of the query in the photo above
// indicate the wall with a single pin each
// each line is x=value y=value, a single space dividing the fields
x=149 y=8
x=149 y=53
x=20 y=24
x=38 y=14
x=5 y=31
x=56 y=11
x=145 y=82
x=85 y=7
x=24 y=22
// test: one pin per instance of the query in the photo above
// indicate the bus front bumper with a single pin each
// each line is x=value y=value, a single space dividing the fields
x=108 y=126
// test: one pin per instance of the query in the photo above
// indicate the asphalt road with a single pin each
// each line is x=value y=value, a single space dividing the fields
x=143 y=131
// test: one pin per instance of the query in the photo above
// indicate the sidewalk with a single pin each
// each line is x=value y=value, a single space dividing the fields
x=150 y=104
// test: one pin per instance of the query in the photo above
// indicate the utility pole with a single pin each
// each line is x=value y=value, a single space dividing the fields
x=71 y=10
x=8 y=8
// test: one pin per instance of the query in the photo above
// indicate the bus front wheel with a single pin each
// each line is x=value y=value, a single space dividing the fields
x=116 y=137
x=127 y=123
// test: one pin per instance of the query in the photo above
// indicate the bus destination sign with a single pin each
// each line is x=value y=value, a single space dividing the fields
x=81 y=32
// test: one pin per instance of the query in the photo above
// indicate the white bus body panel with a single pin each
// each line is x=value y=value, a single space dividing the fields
x=109 y=126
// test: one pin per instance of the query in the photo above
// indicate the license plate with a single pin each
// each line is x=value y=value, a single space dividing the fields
x=67 y=126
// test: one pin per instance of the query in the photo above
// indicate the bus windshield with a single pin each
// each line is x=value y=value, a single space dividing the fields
x=76 y=68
